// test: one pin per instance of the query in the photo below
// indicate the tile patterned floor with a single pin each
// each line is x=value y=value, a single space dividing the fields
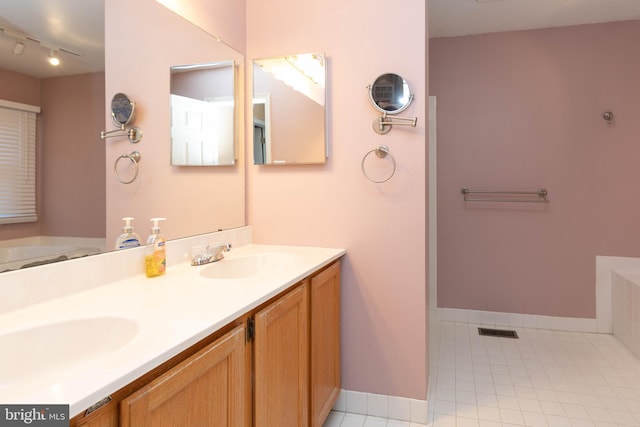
x=542 y=379
x=340 y=419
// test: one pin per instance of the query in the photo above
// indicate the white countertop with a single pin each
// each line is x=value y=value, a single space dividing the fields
x=171 y=313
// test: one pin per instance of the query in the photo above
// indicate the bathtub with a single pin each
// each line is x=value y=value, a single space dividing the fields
x=626 y=309
x=32 y=251
x=16 y=257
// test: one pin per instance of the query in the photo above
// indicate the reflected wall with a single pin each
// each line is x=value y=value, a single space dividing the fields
x=70 y=155
x=194 y=200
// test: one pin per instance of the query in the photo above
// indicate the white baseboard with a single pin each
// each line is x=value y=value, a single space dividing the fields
x=381 y=405
x=516 y=320
x=603 y=323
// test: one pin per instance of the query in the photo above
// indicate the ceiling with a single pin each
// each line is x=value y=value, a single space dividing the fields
x=63 y=25
x=449 y=18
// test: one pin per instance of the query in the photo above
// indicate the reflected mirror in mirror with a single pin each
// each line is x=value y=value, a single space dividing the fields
x=390 y=94
x=203 y=114
x=122 y=109
x=289 y=110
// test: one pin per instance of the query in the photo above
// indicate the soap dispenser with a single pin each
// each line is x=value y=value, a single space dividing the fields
x=155 y=260
x=128 y=239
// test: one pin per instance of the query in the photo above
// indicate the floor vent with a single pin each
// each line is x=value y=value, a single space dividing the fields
x=497 y=333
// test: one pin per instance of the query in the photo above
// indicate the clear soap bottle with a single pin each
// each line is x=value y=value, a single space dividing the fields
x=155 y=260
x=128 y=238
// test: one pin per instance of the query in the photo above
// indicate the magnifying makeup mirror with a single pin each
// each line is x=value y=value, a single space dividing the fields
x=122 y=109
x=390 y=94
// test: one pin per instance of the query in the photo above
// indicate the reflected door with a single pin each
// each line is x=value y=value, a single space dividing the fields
x=259 y=152
x=200 y=131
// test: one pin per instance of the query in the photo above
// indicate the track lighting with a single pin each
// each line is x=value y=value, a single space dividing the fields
x=53 y=59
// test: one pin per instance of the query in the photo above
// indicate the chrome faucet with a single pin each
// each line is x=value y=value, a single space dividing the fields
x=211 y=253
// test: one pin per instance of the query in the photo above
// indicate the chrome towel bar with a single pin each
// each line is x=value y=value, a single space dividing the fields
x=514 y=196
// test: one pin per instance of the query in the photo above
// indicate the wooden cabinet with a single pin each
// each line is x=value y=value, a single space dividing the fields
x=288 y=374
x=208 y=389
x=325 y=343
x=107 y=418
x=297 y=354
x=281 y=361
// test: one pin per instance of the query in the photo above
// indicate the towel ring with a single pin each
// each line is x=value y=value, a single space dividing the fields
x=381 y=152
x=134 y=157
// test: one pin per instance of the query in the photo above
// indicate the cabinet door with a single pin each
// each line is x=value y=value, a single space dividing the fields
x=325 y=343
x=281 y=361
x=207 y=389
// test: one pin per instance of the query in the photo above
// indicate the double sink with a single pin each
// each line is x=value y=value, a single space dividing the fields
x=115 y=333
x=64 y=344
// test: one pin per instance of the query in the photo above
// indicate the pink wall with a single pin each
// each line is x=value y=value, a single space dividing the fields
x=73 y=156
x=524 y=109
x=193 y=199
x=18 y=87
x=222 y=18
x=72 y=111
x=382 y=226
x=201 y=84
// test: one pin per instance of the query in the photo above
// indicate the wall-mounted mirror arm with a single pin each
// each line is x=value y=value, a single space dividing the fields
x=134 y=134
x=390 y=94
x=382 y=125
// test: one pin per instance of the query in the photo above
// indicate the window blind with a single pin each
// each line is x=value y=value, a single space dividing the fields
x=17 y=162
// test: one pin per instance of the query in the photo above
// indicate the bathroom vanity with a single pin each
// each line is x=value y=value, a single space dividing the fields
x=251 y=340
x=290 y=345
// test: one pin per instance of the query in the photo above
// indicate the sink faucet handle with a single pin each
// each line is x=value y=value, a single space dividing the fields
x=219 y=247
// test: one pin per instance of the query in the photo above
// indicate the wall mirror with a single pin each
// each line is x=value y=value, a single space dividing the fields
x=390 y=94
x=289 y=110
x=203 y=114
x=63 y=212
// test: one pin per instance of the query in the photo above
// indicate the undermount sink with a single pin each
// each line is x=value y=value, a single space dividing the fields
x=47 y=349
x=246 y=266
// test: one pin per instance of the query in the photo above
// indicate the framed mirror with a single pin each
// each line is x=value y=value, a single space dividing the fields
x=289 y=110
x=203 y=114
x=390 y=94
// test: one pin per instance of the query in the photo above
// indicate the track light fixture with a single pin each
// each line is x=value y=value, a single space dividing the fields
x=53 y=59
